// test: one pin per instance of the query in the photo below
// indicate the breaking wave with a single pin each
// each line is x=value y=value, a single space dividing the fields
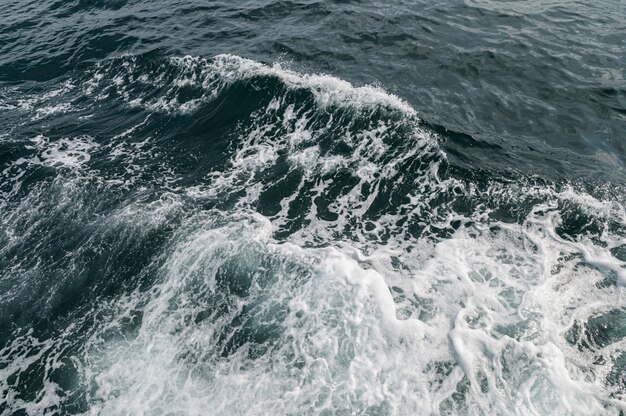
x=189 y=234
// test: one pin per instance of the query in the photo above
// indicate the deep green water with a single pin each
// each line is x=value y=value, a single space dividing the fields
x=408 y=208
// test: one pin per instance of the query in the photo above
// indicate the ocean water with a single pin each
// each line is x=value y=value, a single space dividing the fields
x=312 y=207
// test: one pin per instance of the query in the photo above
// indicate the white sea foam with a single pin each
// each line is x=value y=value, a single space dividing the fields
x=349 y=309
x=338 y=342
x=328 y=90
x=65 y=152
x=16 y=358
x=493 y=317
x=47 y=111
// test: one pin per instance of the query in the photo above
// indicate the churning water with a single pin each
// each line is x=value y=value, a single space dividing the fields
x=312 y=207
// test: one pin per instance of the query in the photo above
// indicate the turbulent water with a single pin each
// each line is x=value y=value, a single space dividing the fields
x=312 y=207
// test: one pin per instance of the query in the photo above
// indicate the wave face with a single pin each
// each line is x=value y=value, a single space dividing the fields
x=187 y=235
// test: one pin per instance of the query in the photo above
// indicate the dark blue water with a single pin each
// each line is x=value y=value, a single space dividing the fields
x=312 y=207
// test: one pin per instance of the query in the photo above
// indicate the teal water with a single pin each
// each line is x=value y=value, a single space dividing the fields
x=312 y=208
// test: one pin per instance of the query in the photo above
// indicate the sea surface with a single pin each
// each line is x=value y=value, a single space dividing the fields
x=312 y=207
